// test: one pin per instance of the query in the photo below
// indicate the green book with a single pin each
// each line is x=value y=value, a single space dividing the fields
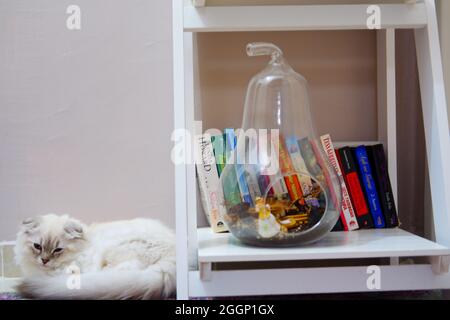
x=230 y=182
x=219 y=152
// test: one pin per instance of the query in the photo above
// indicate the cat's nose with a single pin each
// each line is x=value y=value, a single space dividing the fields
x=44 y=261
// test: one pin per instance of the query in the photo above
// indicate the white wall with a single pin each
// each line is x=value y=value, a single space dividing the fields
x=85 y=116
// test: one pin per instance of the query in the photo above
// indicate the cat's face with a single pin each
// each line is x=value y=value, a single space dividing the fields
x=50 y=241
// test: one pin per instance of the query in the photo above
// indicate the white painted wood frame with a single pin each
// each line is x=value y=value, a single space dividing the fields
x=307 y=17
x=434 y=106
x=181 y=226
x=313 y=280
x=387 y=105
x=196 y=251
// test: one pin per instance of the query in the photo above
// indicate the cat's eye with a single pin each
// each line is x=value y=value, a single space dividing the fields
x=37 y=246
x=57 y=250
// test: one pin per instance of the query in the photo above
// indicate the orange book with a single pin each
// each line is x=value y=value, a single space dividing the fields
x=286 y=167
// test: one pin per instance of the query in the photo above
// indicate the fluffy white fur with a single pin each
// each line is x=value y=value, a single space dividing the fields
x=133 y=259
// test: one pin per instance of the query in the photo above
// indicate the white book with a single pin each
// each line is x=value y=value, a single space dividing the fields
x=351 y=223
x=211 y=192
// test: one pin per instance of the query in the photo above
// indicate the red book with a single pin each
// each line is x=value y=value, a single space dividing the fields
x=350 y=172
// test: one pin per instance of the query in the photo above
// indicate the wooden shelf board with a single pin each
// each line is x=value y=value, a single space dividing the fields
x=300 y=17
x=337 y=245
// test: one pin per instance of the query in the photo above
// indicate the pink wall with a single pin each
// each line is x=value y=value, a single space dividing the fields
x=85 y=116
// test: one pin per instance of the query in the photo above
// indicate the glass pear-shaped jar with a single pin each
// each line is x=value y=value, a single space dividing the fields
x=278 y=186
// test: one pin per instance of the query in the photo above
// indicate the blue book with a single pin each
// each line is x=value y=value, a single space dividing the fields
x=240 y=172
x=369 y=186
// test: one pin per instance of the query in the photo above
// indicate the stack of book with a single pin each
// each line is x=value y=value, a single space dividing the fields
x=365 y=184
x=367 y=198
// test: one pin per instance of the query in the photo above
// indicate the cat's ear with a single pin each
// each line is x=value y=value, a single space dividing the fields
x=74 y=229
x=30 y=224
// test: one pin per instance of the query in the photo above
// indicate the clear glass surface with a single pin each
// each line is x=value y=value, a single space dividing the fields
x=278 y=185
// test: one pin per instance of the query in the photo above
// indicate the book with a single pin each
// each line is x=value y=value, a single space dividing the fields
x=378 y=163
x=279 y=187
x=324 y=178
x=309 y=157
x=231 y=141
x=288 y=172
x=271 y=179
x=348 y=216
x=350 y=173
x=208 y=181
x=219 y=152
x=369 y=186
x=313 y=167
x=299 y=164
x=251 y=176
x=251 y=168
x=230 y=184
x=262 y=151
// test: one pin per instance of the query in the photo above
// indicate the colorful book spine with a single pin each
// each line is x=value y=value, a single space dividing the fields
x=240 y=170
x=378 y=163
x=309 y=157
x=287 y=170
x=350 y=172
x=219 y=152
x=296 y=156
x=299 y=164
x=251 y=176
x=277 y=182
x=325 y=178
x=314 y=168
x=279 y=187
x=294 y=189
x=369 y=186
x=348 y=216
x=229 y=182
x=208 y=180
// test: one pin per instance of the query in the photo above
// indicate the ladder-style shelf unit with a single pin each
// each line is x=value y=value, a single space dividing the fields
x=201 y=253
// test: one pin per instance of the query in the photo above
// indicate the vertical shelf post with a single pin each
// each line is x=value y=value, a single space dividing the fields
x=190 y=111
x=180 y=168
x=434 y=107
x=187 y=106
x=387 y=107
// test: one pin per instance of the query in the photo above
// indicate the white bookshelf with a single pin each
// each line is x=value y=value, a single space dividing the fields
x=199 y=250
x=381 y=243
x=288 y=18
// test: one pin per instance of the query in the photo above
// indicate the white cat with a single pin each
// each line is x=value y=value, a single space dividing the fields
x=61 y=258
